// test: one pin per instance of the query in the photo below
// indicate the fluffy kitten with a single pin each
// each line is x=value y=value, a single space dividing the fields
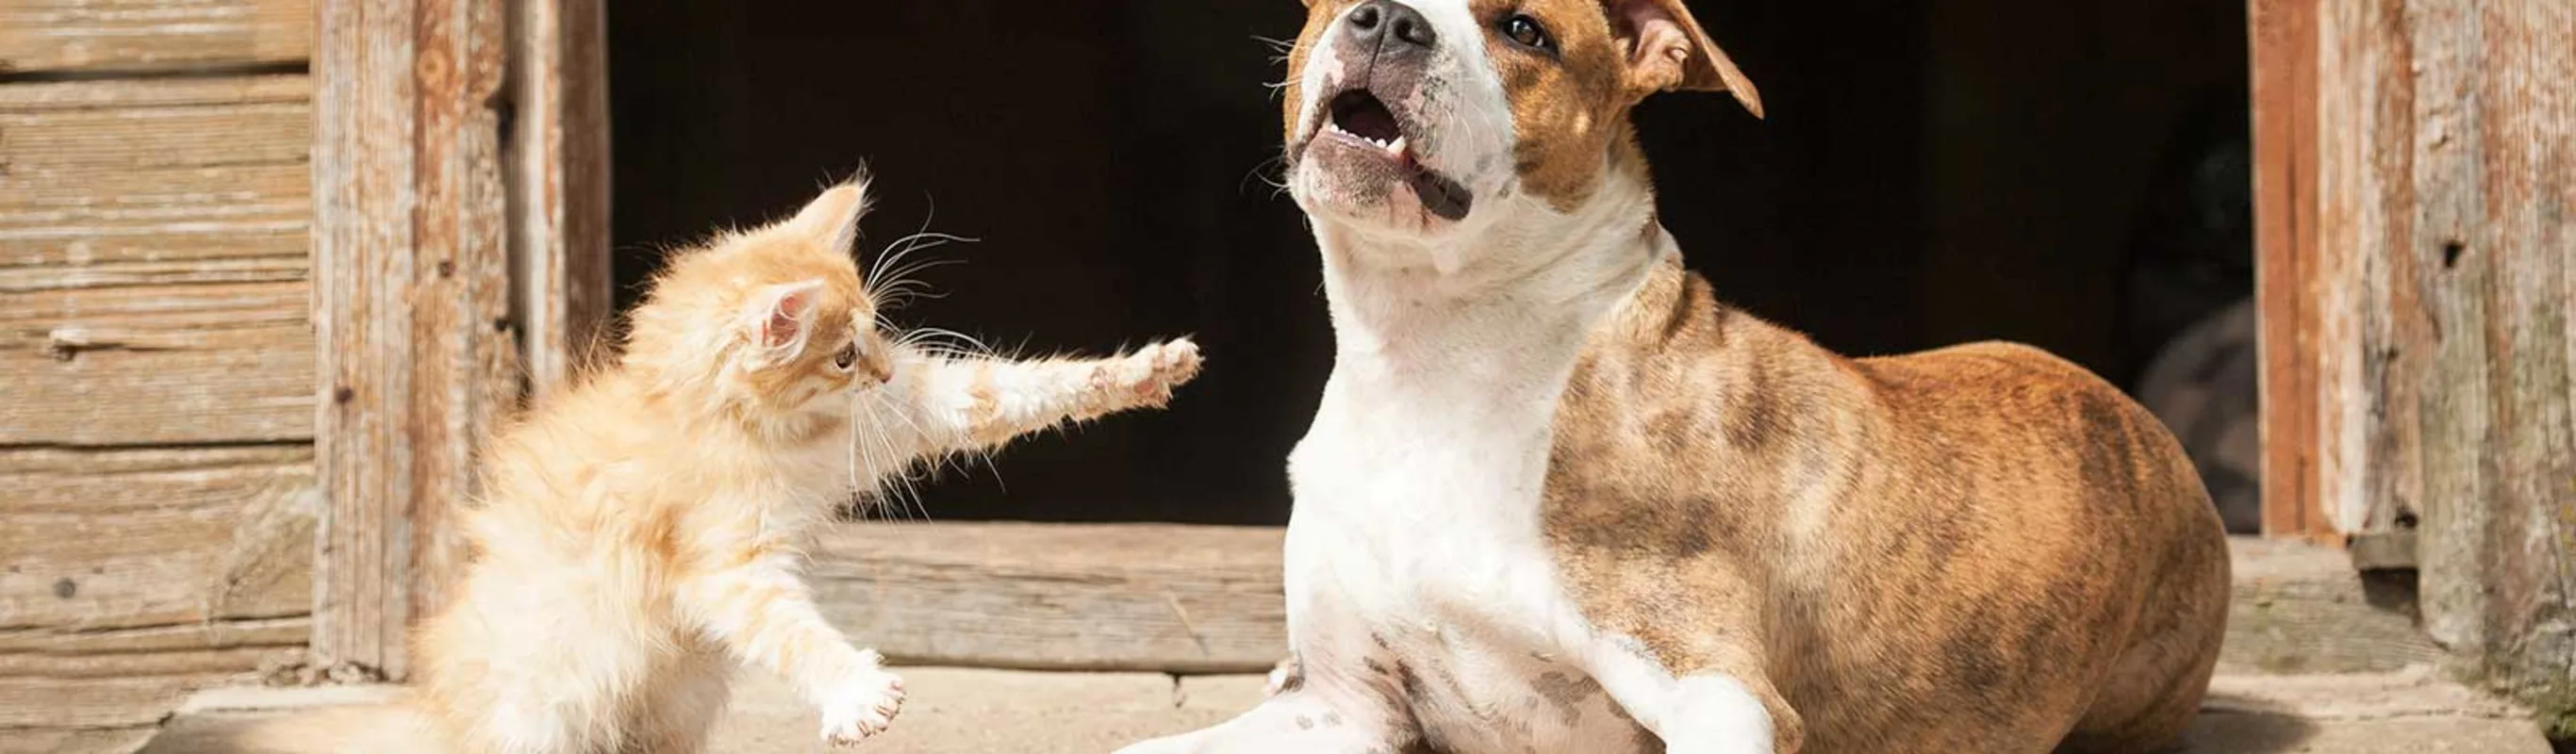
x=638 y=535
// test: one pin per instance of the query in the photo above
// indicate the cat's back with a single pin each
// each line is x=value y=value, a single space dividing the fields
x=571 y=463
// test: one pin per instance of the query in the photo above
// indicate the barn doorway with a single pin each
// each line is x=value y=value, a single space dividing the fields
x=1930 y=173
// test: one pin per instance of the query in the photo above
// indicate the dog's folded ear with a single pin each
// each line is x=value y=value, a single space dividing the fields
x=1667 y=51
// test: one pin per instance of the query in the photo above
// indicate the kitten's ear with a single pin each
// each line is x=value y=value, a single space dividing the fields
x=833 y=218
x=779 y=317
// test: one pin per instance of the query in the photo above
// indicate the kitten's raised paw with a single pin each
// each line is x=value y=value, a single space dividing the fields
x=862 y=706
x=1149 y=375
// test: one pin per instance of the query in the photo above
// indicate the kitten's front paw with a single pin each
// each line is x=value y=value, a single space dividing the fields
x=861 y=706
x=1148 y=376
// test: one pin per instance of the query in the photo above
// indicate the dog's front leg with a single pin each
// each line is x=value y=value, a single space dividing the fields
x=1721 y=704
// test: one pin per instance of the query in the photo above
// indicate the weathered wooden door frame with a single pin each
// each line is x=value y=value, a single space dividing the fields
x=2283 y=65
x=460 y=254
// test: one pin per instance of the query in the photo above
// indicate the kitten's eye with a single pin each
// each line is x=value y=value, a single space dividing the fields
x=1526 y=32
x=846 y=358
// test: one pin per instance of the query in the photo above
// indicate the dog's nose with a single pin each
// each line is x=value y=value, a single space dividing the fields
x=1377 y=21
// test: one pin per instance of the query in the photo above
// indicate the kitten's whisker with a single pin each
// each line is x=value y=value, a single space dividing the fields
x=942 y=332
x=909 y=493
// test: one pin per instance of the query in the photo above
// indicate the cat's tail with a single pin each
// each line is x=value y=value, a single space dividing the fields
x=397 y=728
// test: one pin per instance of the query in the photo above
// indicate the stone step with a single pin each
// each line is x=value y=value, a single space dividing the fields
x=958 y=711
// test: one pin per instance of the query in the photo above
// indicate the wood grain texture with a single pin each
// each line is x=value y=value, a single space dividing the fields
x=92 y=540
x=152 y=253
x=141 y=36
x=2284 y=59
x=150 y=227
x=412 y=284
x=52 y=131
x=559 y=184
x=2450 y=187
x=222 y=362
x=1058 y=597
x=131 y=577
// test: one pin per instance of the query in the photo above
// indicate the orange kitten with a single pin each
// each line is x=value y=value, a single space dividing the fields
x=638 y=536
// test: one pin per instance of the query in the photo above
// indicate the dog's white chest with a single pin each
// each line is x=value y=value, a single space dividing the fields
x=1417 y=566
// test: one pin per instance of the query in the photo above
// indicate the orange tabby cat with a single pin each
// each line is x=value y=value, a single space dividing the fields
x=637 y=537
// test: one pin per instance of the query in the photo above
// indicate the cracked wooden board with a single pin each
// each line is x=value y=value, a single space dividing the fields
x=94 y=541
x=131 y=577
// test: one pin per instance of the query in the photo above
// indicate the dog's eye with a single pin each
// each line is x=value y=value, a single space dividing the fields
x=846 y=358
x=1526 y=32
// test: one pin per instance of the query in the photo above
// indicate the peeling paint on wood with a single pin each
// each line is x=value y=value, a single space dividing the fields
x=2449 y=176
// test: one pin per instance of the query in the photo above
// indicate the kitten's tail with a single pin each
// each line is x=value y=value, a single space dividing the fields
x=374 y=729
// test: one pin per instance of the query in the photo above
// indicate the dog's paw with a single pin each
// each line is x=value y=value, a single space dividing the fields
x=861 y=706
x=1147 y=377
x=1284 y=677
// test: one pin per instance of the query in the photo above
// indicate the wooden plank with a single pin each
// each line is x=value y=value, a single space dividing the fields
x=2384 y=551
x=130 y=577
x=144 y=694
x=2284 y=59
x=1172 y=598
x=168 y=226
x=152 y=35
x=559 y=183
x=108 y=539
x=412 y=303
x=152 y=246
x=50 y=131
x=77 y=740
x=113 y=183
x=107 y=366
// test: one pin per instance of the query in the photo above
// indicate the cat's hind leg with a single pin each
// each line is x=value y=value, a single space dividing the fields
x=518 y=669
x=681 y=703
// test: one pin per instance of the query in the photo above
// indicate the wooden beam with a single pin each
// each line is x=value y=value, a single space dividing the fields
x=2284 y=57
x=2448 y=136
x=411 y=277
x=148 y=36
x=559 y=183
x=1191 y=599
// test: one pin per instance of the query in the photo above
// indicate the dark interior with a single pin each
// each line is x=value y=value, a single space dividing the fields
x=2046 y=171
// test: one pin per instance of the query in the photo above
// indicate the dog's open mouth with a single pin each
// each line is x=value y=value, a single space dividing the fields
x=1356 y=115
x=1359 y=113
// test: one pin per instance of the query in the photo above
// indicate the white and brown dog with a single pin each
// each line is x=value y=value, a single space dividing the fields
x=1557 y=499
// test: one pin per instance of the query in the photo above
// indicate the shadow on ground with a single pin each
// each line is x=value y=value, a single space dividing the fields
x=2242 y=725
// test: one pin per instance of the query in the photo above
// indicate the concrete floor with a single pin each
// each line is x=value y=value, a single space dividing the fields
x=958 y=711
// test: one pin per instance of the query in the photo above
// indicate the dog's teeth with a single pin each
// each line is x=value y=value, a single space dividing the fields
x=1395 y=148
